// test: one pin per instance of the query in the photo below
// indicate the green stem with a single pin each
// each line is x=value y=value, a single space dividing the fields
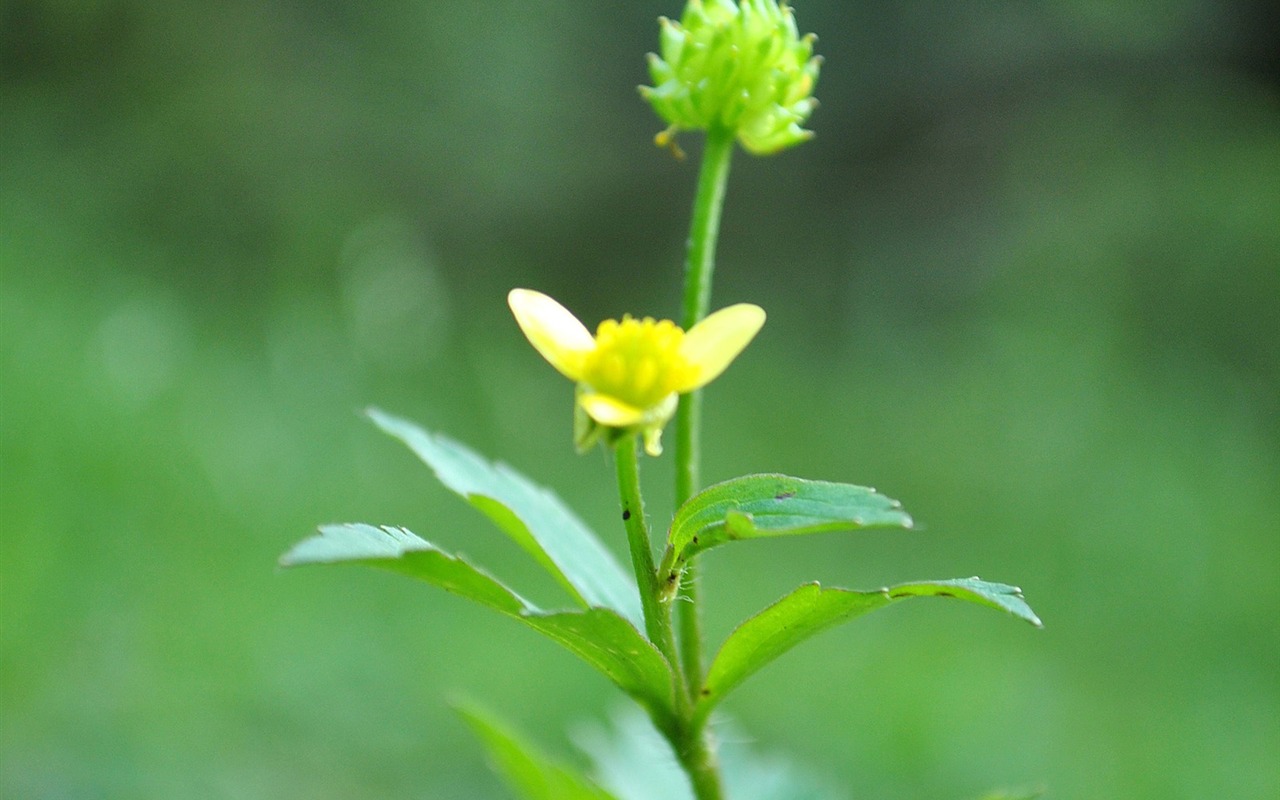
x=705 y=227
x=689 y=737
x=690 y=623
x=699 y=762
x=704 y=230
x=657 y=615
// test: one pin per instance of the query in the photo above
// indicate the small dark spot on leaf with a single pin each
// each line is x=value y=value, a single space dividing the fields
x=784 y=495
x=946 y=594
x=694 y=540
x=705 y=691
x=626 y=514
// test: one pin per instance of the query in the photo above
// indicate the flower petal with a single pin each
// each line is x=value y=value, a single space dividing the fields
x=610 y=411
x=711 y=345
x=552 y=330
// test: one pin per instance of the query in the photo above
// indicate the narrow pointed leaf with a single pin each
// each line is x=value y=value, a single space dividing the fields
x=532 y=516
x=612 y=645
x=400 y=550
x=811 y=609
x=598 y=636
x=755 y=506
x=526 y=769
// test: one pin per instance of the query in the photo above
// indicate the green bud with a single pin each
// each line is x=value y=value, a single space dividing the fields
x=738 y=66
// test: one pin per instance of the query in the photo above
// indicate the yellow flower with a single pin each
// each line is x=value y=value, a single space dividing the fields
x=630 y=373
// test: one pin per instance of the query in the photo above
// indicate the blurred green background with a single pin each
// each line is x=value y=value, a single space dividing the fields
x=1026 y=279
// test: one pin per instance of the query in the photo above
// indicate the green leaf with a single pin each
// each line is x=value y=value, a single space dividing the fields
x=400 y=550
x=754 y=506
x=532 y=516
x=634 y=762
x=526 y=769
x=810 y=609
x=632 y=759
x=598 y=636
x=612 y=645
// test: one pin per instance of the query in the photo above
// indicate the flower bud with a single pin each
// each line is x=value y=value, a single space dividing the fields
x=736 y=66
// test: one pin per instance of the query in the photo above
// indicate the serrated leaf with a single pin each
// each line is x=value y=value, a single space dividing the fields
x=811 y=609
x=532 y=516
x=755 y=506
x=527 y=770
x=598 y=636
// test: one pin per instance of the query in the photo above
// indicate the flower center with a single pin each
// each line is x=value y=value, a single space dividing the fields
x=636 y=361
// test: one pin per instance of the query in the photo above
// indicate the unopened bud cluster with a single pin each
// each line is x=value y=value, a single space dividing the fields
x=736 y=66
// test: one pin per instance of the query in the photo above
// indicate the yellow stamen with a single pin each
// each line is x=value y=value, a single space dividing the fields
x=630 y=373
x=636 y=361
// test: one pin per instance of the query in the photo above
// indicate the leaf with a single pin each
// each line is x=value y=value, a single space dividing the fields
x=635 y=763
x=400 y=550
x=810 y=609
x=755 y=506
x=526 y=769
x=532 y=516
x=632 y=759
x=598 y=636
x=751 y=776
x=612 y=645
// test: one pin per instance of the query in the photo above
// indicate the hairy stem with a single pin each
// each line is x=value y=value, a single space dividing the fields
x=657 y=615
x=688 y=736
x=699 y=762
x=704 y=230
